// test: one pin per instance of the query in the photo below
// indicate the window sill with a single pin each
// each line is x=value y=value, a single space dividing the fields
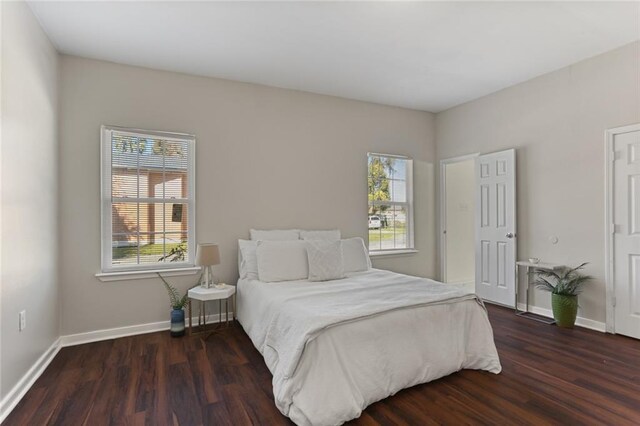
x=148 y=273
x=383 y=253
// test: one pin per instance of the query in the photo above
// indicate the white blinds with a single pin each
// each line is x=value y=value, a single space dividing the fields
x=390 y=195
x=148 y=191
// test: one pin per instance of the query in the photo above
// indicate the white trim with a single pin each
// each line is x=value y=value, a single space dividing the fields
x=2 y=403
x=113 y=333
x=408 y=204
x=398 y=252
x=174 y=136
x=411 y=242
x=145 y=274
x=14 y=396
x=130 y=330
x=25 y=383
x=580 y=321
x=463 y=283
x=377 y=154
x=106 y=199
x=443 y=210
x=609 y=277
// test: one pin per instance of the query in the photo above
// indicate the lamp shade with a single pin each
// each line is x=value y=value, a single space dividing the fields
x=207 y=254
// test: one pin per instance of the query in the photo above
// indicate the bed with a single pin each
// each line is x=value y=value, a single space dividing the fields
x=334 y=347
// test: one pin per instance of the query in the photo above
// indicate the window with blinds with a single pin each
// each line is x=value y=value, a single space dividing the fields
x=390 y=194
x=148 y=199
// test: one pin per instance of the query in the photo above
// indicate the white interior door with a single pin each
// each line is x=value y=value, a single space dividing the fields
x=496 y=227
x=626 y=238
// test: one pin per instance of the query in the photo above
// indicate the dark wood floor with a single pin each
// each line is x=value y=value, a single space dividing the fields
x=550 y=376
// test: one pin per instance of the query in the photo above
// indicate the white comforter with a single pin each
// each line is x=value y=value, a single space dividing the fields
x=335 y=347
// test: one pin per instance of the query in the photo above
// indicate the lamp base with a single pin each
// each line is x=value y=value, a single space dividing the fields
x=207 y=278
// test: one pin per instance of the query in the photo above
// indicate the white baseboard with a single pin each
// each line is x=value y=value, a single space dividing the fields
x=580 y=321
x=464 y=283
x=14 y=396
x=9 y=402
x=132 y=330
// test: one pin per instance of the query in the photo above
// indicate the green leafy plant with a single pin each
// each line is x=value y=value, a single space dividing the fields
x=176 y=301
x=176 y=254
x=565 y=282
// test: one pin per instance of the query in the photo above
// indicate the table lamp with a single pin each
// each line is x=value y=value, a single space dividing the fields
x=207 y=255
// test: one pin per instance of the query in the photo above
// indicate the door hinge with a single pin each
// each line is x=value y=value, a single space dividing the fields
x=617 y=155
x=616 y=228
x=614 y=301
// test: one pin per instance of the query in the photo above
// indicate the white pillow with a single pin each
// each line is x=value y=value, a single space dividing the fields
x=275 y=234
x=355 y=255
x=282 y=260
x=332 y=235
x=247 y=260
x=325 y=260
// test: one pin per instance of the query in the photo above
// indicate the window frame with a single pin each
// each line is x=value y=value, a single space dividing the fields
x=106 y=202
x=408 y=205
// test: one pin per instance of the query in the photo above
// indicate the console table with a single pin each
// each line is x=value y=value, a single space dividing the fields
x=530 y=268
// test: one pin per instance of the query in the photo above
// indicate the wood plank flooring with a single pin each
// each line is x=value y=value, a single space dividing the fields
x=550 y=376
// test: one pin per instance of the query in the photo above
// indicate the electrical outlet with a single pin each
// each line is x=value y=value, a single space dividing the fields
x=23 y=320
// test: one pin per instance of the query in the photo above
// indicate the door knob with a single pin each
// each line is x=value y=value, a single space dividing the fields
x=510 y=235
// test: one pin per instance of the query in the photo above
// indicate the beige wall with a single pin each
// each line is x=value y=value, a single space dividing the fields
x=557 y=123
x=461 y=236
x=29 y=193
x=266 y=158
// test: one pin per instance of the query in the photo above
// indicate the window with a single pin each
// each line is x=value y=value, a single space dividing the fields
x=148 y=193
x=390 y=182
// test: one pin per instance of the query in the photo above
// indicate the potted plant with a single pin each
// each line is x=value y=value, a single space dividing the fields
x=177 y=307
x=565 y=285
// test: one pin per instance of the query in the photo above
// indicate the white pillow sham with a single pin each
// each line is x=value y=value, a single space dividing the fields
x=274 y=234
x=355 y=255
x=325 y=260
x=332 y=235
x=247 y=260
x=282 y=260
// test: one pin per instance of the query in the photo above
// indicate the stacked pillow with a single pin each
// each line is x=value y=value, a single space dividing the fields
x=282 y=260
x=355 y=255
x=286 y=255
x=331 y=235
x=325 y=260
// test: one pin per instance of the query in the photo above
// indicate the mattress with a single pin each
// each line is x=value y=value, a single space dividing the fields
x=335 y=347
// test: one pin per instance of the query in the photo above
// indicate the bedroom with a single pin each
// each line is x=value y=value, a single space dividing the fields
x=285 y=102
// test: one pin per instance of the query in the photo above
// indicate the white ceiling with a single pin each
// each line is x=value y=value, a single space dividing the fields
x=428 y=56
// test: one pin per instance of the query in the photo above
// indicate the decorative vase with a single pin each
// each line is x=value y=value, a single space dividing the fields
x=177 y=322
x=565 y=309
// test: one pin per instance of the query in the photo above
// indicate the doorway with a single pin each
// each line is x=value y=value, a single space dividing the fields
x=457 y=220
x=478 y=224
x=623 y=230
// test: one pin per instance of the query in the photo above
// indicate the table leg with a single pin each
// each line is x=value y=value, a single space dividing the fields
x=204 y=313
x=526 y=296
x=190 y=325
x=219 y=311
x=526 y=313
x=226 y=306
x=517 y=285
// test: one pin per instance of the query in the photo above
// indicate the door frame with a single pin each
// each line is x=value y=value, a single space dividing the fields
x=609 y=278
x=443 y=209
